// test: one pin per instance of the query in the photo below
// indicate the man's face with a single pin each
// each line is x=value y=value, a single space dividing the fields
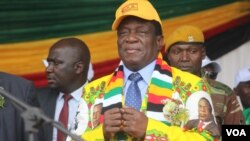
x=137 y=42
x=60 y=71
x=96 y=114
x=243 y=90
x=187 y=57
x=204 y=110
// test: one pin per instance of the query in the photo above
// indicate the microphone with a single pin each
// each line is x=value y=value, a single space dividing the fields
x=34 y=117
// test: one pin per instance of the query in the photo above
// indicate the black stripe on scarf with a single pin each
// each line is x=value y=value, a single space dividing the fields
x=158 y=68
x=155 y=107
x=117 y=105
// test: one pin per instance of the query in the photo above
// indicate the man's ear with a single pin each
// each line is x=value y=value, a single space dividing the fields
x=79 y=67
x=160 y=42
x=204 y=52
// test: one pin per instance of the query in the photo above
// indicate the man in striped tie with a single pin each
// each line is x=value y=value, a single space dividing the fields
x=144 y=77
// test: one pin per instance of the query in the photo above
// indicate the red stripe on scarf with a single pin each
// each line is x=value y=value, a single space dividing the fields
x=119 y=74
x=164 y=66
x=156 y=99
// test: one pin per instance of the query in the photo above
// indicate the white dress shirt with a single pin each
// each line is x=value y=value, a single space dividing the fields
x=146 y=74
x=73 y=106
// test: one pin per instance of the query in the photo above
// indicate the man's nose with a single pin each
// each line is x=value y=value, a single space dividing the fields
x=184 y=56
x=131 y=37
x=49 y=68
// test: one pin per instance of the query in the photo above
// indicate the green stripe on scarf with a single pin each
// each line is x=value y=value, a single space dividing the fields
x=161 y=83
x=113 y=92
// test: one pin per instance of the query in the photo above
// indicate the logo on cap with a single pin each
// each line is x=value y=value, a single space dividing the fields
x=130 y=7
x=190 y=38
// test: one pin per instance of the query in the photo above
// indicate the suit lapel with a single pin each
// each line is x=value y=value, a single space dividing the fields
x=51 y=106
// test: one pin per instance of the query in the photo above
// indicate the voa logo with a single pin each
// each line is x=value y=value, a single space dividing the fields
x=236 y=132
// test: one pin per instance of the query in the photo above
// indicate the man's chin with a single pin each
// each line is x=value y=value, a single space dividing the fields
x=52 y=85
x=186 y=70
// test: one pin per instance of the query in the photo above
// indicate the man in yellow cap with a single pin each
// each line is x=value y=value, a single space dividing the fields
x=185 y=50
x=145 y=98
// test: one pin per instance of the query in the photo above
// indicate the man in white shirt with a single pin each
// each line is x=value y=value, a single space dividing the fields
x=68 y=64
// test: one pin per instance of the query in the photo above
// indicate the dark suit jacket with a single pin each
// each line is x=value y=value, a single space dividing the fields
x=11 y=122
x=211 y=127
x=47 y=101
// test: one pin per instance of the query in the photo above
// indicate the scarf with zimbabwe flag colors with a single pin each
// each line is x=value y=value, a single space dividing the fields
x=159 y=89
x=166 y=83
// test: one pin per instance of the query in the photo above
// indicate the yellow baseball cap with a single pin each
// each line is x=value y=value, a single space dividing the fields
x=139 y=8
x=185 y=33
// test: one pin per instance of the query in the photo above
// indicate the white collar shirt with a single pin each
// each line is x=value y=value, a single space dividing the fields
x=146 y=74
x=73 y=106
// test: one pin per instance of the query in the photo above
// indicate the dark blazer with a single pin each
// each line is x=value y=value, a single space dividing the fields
x=11 y=122
x=211 y=127
x=47 y=101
